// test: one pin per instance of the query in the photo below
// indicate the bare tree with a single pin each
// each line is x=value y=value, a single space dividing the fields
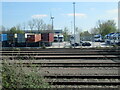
x=24 y=26
x=2 y=28
x=31 y=24
x=39 y=24
x=49 y=27
x=44 y=27
x=18 y=27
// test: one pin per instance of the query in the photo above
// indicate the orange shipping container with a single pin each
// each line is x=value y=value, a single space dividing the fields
x=51 y=37
x=33 y=37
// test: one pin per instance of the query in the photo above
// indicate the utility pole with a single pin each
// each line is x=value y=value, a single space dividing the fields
x=119 y=16
x=52 y=22
x=74 y=21
x=71 y=27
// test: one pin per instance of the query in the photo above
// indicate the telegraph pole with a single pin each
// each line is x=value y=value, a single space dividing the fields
x=74 y=21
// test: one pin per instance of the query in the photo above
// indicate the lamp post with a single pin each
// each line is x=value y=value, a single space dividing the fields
x=52 y=21
x=74 y=21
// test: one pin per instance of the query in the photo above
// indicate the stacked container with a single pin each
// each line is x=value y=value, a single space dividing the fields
x=33 y=38
x=47 y=38
x=3 y=40
x=3 y=37
x=12 y=39
x=21 y=38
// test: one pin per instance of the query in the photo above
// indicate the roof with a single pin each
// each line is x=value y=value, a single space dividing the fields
x=39 y=31
x=57 y=31
x=43 y=31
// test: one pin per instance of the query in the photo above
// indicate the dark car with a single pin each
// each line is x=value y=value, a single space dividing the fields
x=86 y=44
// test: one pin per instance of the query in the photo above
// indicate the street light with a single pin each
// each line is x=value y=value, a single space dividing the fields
x=74 y=21
x=52 y=21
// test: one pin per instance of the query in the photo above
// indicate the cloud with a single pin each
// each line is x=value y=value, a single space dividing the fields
x=39 y=16
x=112 y=11
x=77 y=14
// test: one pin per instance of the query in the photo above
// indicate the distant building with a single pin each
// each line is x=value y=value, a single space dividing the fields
x=58 y=31
x=44 y=31
x=40 y=31
x=58 y=36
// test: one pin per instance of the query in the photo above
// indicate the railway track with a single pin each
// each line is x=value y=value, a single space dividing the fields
x=80 y=53
x=60 y=49
x=69 y=64
x=64 y=57
x=63 y=51
x=72 y=67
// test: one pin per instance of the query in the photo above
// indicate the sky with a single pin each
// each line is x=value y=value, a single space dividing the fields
x=86 y=13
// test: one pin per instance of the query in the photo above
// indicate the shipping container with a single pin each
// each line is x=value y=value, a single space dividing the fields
x=47 y=39
x=12 y=40
x=3 y=37
x=51 y=37
x=21 y=38
x=34 y=38
x=12 y=37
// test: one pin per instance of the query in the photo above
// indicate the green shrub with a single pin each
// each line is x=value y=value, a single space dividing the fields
x=70 y=46
x=15 y=76
x=43 y=47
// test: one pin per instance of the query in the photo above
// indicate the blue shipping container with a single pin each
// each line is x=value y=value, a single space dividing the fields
x=3 y=37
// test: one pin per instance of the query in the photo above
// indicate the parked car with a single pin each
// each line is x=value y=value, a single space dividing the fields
x=86 y=44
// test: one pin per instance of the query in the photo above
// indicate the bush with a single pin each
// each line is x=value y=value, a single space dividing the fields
x=15 y=76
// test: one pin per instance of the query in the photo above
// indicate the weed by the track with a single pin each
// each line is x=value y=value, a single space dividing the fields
x=14 y=77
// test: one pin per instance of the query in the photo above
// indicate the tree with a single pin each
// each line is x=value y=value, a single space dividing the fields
x=13 y=30
x=2 y=28
x=39 y=24
x=66 y=34
x=18 y=27
x=44 y=27
x=85 y=35
x=105 y=27
x=24 y=26
x=49 y=27
x=31 y=24
x=94 y=31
